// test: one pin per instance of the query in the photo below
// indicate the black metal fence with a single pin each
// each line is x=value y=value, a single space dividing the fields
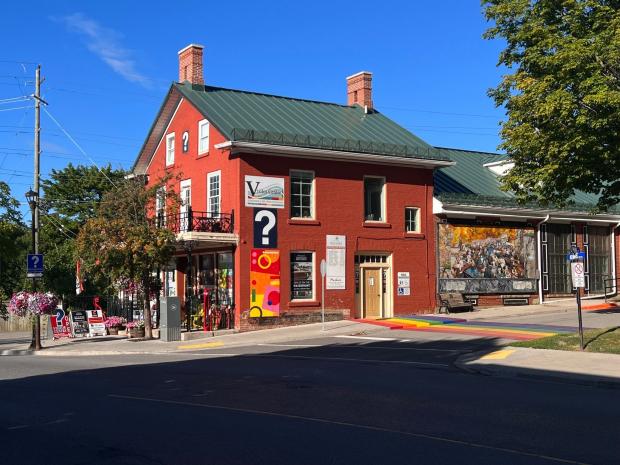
x=198 y=221
x=112 y=305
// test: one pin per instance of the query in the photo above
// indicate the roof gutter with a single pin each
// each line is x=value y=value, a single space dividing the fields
x=532 y=214
x=326 y=154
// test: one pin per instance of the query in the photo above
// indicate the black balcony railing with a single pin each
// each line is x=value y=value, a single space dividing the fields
x=190 y=220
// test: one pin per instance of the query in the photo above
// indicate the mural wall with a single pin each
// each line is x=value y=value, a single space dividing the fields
x=487 y=259
x=265 y=283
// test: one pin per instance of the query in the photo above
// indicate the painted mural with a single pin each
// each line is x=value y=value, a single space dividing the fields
x=486 y=252
x=265 y=283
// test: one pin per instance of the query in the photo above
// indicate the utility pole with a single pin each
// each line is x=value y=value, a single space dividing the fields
x=36 y=343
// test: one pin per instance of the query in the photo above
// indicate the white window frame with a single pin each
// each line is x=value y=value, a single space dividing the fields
x=183 y=215
x=383 y=199
x=312 y=195
x=210 y=176
x=170 y=148
x=418 y=221
x=201 y=125
x=160 y=204
x=314 y=297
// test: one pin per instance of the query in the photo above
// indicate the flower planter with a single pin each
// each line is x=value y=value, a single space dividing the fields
x=113 y=331
x=135 y=332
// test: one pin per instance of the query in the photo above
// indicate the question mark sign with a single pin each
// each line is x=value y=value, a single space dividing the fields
x=35 y=260
x=271 y=222
x=185 y=141
x=60 y=314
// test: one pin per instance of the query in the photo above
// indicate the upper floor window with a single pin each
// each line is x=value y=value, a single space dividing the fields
x=203 y=136
x=170 y=149
x=302 y=194
x=374 y=199
x=214 y=193
x=160 y=206
x=412 y=219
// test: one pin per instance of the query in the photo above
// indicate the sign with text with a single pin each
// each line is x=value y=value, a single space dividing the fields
x=96 y=327
x=261 y=191
x=578 y=274
x=404 y=283
x=61 y=326
x=79 y=323
x=336 y=258
x=265 y=228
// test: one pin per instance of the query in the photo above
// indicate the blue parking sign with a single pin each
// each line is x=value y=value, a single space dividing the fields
x=35 y=265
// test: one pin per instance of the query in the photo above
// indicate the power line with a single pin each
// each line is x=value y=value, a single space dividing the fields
x=77 y=145
x=16 y=108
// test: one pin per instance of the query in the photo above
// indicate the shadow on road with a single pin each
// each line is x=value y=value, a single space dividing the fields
x=346 y=402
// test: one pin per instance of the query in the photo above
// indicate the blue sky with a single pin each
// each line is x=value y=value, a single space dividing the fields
x=107 y=66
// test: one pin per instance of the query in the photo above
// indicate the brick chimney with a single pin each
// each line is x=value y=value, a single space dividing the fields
x=190 y=64
x=359 y=89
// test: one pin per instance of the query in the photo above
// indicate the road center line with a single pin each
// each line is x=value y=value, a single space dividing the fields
x=342 y=359
x=349 y=425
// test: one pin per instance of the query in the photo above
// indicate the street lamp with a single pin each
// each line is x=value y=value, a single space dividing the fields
x=33 y=198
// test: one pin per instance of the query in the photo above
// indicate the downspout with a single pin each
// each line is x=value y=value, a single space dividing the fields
x=614 y=271
x=540 y=258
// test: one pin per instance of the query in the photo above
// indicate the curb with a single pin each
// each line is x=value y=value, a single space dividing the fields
x=502 y=371
x=16 y=352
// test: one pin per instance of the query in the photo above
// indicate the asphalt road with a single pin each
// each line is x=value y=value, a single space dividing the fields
x=338 y=400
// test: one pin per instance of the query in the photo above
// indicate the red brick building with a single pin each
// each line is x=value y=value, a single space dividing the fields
x=271 y=186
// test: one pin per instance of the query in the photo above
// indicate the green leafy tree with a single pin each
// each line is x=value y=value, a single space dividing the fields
x=13 y=242
x=562 y=96
x=121 y=244
x=71 y=197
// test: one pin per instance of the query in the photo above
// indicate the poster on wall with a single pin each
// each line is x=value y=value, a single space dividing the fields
x=486 y=252
x=264 y=283
x=301 y=275
x=404 y=283
x=261 y=191
x=265 y=228
x=336 y=258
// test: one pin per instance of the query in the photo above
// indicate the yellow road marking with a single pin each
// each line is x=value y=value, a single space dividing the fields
x=205 y=345
x=498 y=354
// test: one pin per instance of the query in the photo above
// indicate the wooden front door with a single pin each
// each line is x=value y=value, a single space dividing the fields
x=372 y=293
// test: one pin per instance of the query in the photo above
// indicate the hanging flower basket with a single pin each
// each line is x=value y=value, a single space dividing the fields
x=32 y=303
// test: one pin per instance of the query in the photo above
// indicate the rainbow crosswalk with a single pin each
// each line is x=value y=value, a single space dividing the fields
x=450 y=325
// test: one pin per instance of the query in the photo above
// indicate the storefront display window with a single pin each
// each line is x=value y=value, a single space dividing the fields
x=301 y=275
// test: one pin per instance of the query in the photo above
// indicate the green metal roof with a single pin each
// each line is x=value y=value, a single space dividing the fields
x=254 y=117
x=469 y=182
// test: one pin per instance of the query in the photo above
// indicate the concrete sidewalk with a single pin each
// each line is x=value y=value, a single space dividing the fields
x=120 y=345
x=585 y=368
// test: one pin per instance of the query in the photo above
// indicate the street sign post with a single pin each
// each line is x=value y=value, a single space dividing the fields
x=576 y=259
x=34 y=265
x=323 y=273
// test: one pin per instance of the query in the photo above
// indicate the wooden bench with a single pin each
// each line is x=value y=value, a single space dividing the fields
x=452 y=301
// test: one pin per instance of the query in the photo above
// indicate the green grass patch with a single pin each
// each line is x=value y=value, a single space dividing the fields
x=596 y=340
